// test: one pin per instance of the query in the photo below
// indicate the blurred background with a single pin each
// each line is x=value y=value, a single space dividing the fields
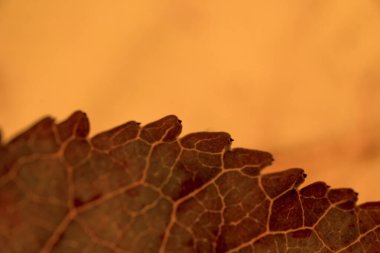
x=300 y=79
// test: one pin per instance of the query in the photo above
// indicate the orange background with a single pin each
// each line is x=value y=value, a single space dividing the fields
x=298 y=78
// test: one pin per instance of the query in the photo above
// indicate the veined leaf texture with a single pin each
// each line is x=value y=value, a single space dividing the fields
x=145 y=189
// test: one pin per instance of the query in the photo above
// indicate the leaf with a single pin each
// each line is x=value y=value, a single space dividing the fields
x=143 y=189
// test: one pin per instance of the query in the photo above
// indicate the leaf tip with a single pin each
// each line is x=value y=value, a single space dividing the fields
x=76 y=124
x=167 y=129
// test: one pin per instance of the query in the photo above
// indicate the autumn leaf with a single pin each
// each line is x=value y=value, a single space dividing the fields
x=144 y=189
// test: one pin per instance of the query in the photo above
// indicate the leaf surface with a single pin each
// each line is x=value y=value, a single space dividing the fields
x=144 y=189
